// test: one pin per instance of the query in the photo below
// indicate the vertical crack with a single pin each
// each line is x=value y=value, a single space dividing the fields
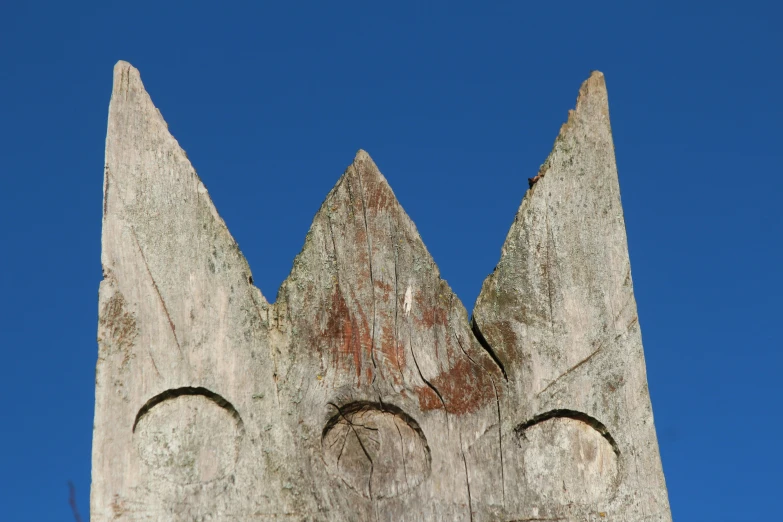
x=369 y=262
x=467 y=477
x=396 y=298
x=459 y=343
x=336 y=258
x=342 y=449
x=500 y=443
x=334 y=245
x=421 y=375
x=484 y=344
x=549 y=270
x=106 y=191
x=402 y=452
x=361 y=444
x=271 y=349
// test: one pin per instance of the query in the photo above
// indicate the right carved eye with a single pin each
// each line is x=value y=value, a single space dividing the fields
x=569 y=457
x=377 y=450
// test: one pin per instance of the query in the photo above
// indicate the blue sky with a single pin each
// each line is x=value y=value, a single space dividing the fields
x=458 y=104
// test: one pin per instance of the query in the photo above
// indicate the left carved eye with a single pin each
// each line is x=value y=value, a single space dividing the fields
x=377 y=450
x=188 y=435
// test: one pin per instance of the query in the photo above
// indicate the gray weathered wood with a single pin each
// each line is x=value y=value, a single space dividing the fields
x=364 y=392
x=560 y=314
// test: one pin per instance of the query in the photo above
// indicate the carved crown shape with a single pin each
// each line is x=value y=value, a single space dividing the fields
x=365 y=392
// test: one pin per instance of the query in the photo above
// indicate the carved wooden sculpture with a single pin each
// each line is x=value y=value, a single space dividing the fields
x=365 y=392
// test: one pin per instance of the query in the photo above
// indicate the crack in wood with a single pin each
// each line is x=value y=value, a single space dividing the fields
x=361 y=444
x=149 y=351
x=149 y=272
x=157 y=291
x=396 y=298
x=271 y=350
x=571 y=369
x=372 y=281
x=371 y=424
x=467 y=476
x=402 y=452
x=428 y=383
x=500 y=444
x=549 y=241
x=474 y=327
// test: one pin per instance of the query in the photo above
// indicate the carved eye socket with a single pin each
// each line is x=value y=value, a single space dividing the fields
x=188 y=435
x=569 y=457
x=377 y=450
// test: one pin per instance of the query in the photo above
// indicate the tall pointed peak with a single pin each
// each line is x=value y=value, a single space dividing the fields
x=126 y=75
x=129 y=94
x=570 y=222
x=362 y=155
x=177 y=310
x=362 y=205
x=368 y=297
x=559 y=310
x=367 y=173
x=596 y=82
x=593 y=95
x=163 y=242
x=588 y=121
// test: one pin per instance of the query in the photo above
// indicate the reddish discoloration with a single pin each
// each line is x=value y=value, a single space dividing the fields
x=377 y=196
x=362 y=311
x=465 y=388
x=431 y=314
x=385 y=287
x=346 y=334
x=532 y=181
x=428 y=400
x=392 y=355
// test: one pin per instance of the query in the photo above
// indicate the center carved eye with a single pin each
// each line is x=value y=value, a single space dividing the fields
x=377 y=450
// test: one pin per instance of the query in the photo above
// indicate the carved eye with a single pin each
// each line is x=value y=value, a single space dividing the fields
x=569 y=457
x=188 y=435
x=377 y=450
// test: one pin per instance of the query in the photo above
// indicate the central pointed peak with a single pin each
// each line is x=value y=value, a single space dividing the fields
x=368 y=173
x=368 y=297
x=362 y=155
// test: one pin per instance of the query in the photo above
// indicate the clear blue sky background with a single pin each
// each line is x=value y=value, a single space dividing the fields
x=458 y=105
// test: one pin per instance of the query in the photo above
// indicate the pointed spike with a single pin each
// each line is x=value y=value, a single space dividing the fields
x=559 y=311
x=368 y=296
x=160 y=225
x=151 y=187
x=176 y=307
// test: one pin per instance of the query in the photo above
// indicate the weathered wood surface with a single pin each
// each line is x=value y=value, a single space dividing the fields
x=364 y=392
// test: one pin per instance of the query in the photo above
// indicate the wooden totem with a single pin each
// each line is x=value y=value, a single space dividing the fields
x=365 y=392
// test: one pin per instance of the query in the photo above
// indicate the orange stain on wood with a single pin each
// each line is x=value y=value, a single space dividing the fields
x=378 y=196
x=345 y=334
x=464 y=388
x=431 y=315
x=392 y=355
